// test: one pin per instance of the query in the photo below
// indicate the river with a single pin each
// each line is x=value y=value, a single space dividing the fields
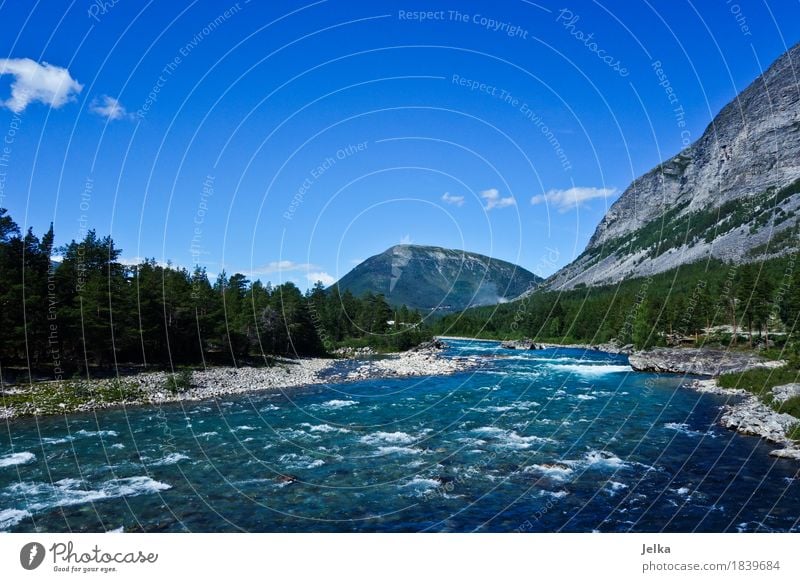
x=549 y=440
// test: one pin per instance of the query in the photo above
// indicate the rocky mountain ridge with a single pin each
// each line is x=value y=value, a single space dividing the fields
x=734 y=194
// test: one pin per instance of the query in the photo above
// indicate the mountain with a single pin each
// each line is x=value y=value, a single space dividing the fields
x=733 y=194
x=433 y=278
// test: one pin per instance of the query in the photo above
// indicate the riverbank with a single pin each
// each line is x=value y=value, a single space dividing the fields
x=699 y=361
x=751 y=416
x=155 y=388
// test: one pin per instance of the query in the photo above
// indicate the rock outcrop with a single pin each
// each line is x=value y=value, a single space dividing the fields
x=699 y=361
x=785 y=392
x=753 y=417
x=523 y=344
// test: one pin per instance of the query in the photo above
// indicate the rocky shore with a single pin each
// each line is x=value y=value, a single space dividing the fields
x=160 y=387
x=698 y=361
x=750 y=416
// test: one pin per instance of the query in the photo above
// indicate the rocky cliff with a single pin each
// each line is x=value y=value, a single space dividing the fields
x=733 y=194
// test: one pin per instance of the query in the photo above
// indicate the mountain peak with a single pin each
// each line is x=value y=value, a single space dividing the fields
x=432 y=278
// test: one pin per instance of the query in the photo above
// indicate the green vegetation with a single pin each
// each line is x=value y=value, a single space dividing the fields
x=90 y=313
x=790 y=406
x=70 y=396
x=669 y=308
x=760 y=381
x=179 y=382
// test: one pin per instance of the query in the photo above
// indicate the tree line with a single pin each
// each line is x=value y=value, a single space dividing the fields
x=741 y=305
x=88 y=310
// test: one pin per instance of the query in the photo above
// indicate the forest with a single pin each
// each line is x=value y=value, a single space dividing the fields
x=76 y=308
x=752 y=305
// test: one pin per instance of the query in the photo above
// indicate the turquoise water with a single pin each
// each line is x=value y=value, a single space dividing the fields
x=554 y=440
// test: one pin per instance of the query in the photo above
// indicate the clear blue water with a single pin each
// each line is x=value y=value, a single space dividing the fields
x=555 y=440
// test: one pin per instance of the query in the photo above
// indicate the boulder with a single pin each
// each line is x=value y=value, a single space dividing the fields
x=523 y=344
x=785 y=392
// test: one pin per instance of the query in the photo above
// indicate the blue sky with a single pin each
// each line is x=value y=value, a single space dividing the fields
x=290 y=140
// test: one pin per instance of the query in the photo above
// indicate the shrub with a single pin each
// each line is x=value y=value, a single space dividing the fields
x=179 y=382
x=790 y=406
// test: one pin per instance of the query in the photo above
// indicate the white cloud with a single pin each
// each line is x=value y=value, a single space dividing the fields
x=322 y=276
x=494 y=200
x=33 y=81
x=575 y=197
x=108 y=107
x=451 y=199
x=406 y=239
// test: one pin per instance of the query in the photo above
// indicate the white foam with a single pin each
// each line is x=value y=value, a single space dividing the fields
x=555 y=494
x=10 y=517
x=323 y=428
x=334 y=404
x=295 y=434
x=295 y=461
x=509 y=439
x=591 y=370
x=42 y=496
x=207 y=434
x=397 y=450
x=16 y=459
x=586 y=397
x=244 y=427
x=600 y=459
x=171 y=459
x=683 y=428
x=603 y=458
x=99 y=433
x=421 y=485
x=57 y=440
x=387 y=437
x=555 y=472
